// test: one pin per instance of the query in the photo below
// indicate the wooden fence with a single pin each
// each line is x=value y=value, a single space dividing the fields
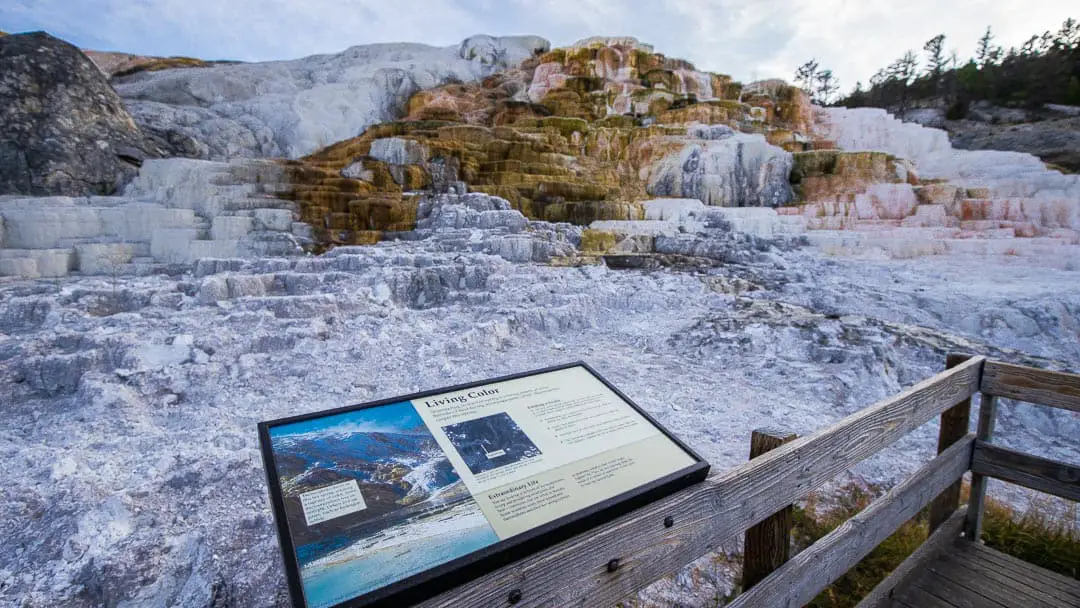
x=608 y=563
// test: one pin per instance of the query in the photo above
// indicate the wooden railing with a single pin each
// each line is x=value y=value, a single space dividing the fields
x=608 y=563
x=1037 y=386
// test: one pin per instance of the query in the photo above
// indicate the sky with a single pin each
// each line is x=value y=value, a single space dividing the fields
x=748 y=39
x=394 y=418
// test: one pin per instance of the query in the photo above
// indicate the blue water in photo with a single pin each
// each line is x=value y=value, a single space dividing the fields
x=395 y=553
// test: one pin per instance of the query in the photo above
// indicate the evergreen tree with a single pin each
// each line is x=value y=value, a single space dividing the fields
x=1068 y=37
x=935 y=56
x=1044 y=69
x=902 y=72
x=877 y=87
x=806 y=76
x=826 y=86
x=1072 y=92
x=988 y=53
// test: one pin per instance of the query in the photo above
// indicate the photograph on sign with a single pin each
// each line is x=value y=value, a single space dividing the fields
x=373 y=495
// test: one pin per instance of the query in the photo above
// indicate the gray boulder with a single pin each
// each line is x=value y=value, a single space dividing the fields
x=63 y=130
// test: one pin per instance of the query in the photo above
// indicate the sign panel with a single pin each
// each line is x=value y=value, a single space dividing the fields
x=398 y=500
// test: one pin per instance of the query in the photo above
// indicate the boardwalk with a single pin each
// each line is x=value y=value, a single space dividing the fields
x=967 y=574
x=951 y=569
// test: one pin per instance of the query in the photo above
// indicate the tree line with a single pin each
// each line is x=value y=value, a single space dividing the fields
x=1045 y=69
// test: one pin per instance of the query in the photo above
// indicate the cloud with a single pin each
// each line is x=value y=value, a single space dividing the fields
x=759 y=39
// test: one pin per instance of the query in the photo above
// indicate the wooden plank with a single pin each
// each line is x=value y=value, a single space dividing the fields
x=1029 y=575
x=941 y=539
x=915 y=597
x=952 y=592
x=977 y=495
x=767 y=545
x=1003 y=589
x=802 y=578
x=1017 y=568
x=1032 y=472
x=708 y=514
x=1056 y=389
x=954 y=425
x=961 y=587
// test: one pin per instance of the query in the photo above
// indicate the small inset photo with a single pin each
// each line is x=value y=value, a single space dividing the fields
x=490 y=442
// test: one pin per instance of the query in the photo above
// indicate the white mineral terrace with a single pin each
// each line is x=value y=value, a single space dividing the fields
x=131 y=398
x=990 y=202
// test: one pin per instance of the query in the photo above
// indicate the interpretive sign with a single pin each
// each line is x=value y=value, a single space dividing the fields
x=394 y=501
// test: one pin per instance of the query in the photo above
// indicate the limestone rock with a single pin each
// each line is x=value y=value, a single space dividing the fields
x=760 y=222
x=63 y=130
x=742 y=250
x=442 y=212
x=121 y=64
x=651 y=228
x=711 y=132
x=576 y=134
x=103 y=258
x=1009 y=192
x=292 y=108
x=34 y=263
x=497 y=99
x=602 y=76
x=840 y=175
x=1055 y=140
x=672 y=209
x=501 y=51
x=397 y=151
x=738 y=171
x=927 y=117
x=231 y=227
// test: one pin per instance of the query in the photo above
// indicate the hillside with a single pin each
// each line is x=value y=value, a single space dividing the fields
x=1023 y=99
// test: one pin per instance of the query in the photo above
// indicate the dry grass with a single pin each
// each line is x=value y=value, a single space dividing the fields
x=1038 y=535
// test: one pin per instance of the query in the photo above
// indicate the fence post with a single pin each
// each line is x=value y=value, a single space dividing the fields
x=954 y=425
x=977 y=497
x=768 y=544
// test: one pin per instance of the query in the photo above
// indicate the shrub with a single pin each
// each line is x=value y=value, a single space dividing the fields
x=814 y=520
x=957 y=111
x=1037 y=536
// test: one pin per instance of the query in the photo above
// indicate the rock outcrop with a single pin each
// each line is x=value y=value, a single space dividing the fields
x=175 y=212
x=292 y=108
x=557 y=137
x=1055 y=140
x=123 y=64
x=63 y=130
x=1014 y=190
x=934 y=199
x=732 y=170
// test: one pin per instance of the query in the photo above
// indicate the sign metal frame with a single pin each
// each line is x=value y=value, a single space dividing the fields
x=436 y=580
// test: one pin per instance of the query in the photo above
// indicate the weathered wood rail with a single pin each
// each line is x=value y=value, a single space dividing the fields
x=608 y=563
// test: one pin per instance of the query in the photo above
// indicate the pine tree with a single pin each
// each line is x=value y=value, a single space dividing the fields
x=877 y=87
x=826 y=86
x=857 y=97
x=806 y=75
x=1072 y=92
x=1043 y=69
x=1068 y=37
x=935 y=56
x=903 y=71
x=988 y=53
